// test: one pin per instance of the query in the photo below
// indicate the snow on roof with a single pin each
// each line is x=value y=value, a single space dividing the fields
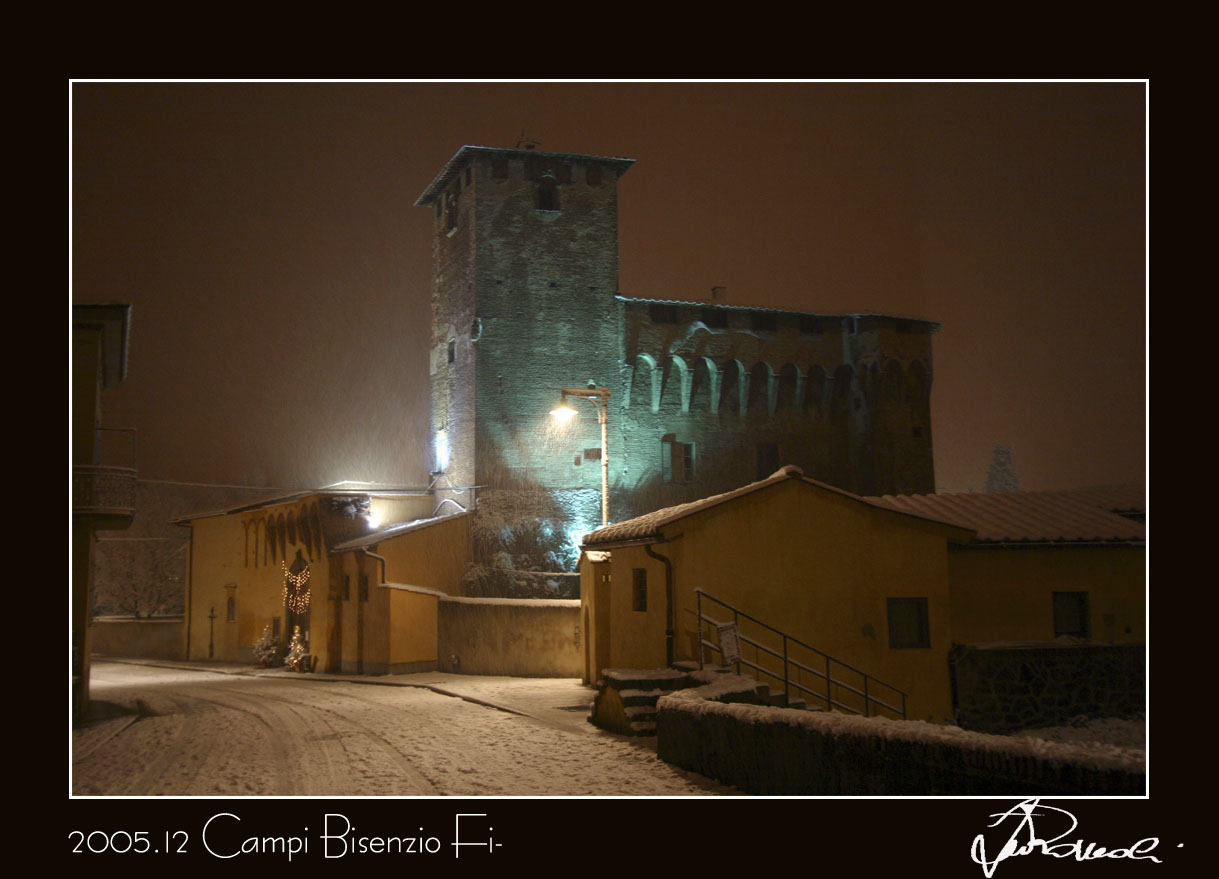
x=515 y=602
x=392 y=531
x=647 y=526
x=1064 y=516
x=406 y=587
x=278 y=496
x=704 y=303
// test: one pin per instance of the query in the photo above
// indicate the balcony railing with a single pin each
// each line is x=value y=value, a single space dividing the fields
x=103 y=491
x=107 y=487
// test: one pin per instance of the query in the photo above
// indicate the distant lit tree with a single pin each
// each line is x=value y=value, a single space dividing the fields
x=1002 y=473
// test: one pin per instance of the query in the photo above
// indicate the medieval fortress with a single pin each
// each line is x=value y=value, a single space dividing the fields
x=705 y=396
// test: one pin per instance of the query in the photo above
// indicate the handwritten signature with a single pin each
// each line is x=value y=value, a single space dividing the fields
x=1026 y=811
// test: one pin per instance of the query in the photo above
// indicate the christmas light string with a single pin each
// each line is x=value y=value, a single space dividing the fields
x=296 y=600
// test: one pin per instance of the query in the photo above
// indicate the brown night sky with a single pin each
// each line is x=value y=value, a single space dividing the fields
x=266 y=238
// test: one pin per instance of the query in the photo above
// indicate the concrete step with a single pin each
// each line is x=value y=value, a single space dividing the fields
x=641 y=697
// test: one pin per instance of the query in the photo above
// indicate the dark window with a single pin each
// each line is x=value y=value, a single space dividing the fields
x=450 y=211
x=811 y=326
x=593 y=175
x=499 y=167
x=715 y=318
x=640 y=590
x=908 y=623
x=663 y=314
x=763 y=322
x=548 y=194
x=347 y=587
x=576 y=462
x=905 y=326
x=231 y=609
x=363 y=587
x=768 y=459
x=676 y=460
x=1071 y=614
x=592 y=454
x=275 y=627
x=916 y=432
x=452 y=350
x=468 y=172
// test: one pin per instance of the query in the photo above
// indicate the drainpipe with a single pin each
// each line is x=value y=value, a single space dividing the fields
x=360 y=610
x=381 y=559
x=647 y=547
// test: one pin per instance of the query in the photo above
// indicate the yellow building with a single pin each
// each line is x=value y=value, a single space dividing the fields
x=828 y=583
x=1044 y=565
x=800 y=565
x=364 y=594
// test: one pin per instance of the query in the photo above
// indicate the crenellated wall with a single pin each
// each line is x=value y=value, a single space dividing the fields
x=847 y=398
x=704 y=397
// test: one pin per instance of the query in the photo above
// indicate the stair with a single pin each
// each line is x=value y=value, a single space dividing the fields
x=626 y=698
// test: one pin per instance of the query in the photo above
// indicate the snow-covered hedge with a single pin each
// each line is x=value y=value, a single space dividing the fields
x=765 y=750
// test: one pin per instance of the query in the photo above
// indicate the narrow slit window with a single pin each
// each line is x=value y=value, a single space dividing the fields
x=640 y=589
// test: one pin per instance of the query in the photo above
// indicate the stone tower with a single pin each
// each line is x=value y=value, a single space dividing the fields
x=525 y=272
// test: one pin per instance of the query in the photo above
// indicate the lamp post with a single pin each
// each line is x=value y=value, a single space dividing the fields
x=599 y=397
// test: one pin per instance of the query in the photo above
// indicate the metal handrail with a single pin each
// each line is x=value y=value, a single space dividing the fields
x=827 y=676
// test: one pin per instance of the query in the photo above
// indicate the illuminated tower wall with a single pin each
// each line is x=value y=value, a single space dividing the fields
x=705 y=396
x=525 y=273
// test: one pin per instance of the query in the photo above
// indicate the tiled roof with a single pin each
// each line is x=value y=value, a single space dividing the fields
x=648 y=525
x=391 y=531
x=369 y=489
x=1084 y=515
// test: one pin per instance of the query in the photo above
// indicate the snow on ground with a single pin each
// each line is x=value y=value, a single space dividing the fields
x=1130 y=733
x=192 y=733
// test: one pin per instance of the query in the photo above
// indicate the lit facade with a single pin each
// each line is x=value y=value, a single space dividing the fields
x=703 y=395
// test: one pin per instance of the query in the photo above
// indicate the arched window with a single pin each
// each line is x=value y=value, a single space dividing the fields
x=789 y=380
x=548 y=193
x=759 y=389
x=730 y=391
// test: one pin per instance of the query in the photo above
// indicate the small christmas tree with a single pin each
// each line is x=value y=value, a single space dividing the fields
x=296 y=650
x=265 y=647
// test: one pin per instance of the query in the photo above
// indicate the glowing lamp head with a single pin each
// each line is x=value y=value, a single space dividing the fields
x=564 y=413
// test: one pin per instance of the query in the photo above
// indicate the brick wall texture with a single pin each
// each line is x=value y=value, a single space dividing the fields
x=704 y=396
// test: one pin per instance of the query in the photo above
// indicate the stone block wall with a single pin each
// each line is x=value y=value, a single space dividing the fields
x=1001 y=689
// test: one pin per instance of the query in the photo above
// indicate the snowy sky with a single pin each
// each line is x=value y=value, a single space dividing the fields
x=279 y=274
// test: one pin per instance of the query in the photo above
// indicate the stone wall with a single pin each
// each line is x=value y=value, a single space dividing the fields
x=778 y=751
x=146 y=639
x=1004 y=688
x=847 y=398
x=503 y=636
x=703 y=397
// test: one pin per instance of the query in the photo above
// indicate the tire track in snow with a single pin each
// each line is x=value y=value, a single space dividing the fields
x=421 y=785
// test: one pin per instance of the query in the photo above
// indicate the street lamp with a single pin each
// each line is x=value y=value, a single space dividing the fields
x=599 y=397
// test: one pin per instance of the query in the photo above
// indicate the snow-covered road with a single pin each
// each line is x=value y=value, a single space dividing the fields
x=203 y=733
